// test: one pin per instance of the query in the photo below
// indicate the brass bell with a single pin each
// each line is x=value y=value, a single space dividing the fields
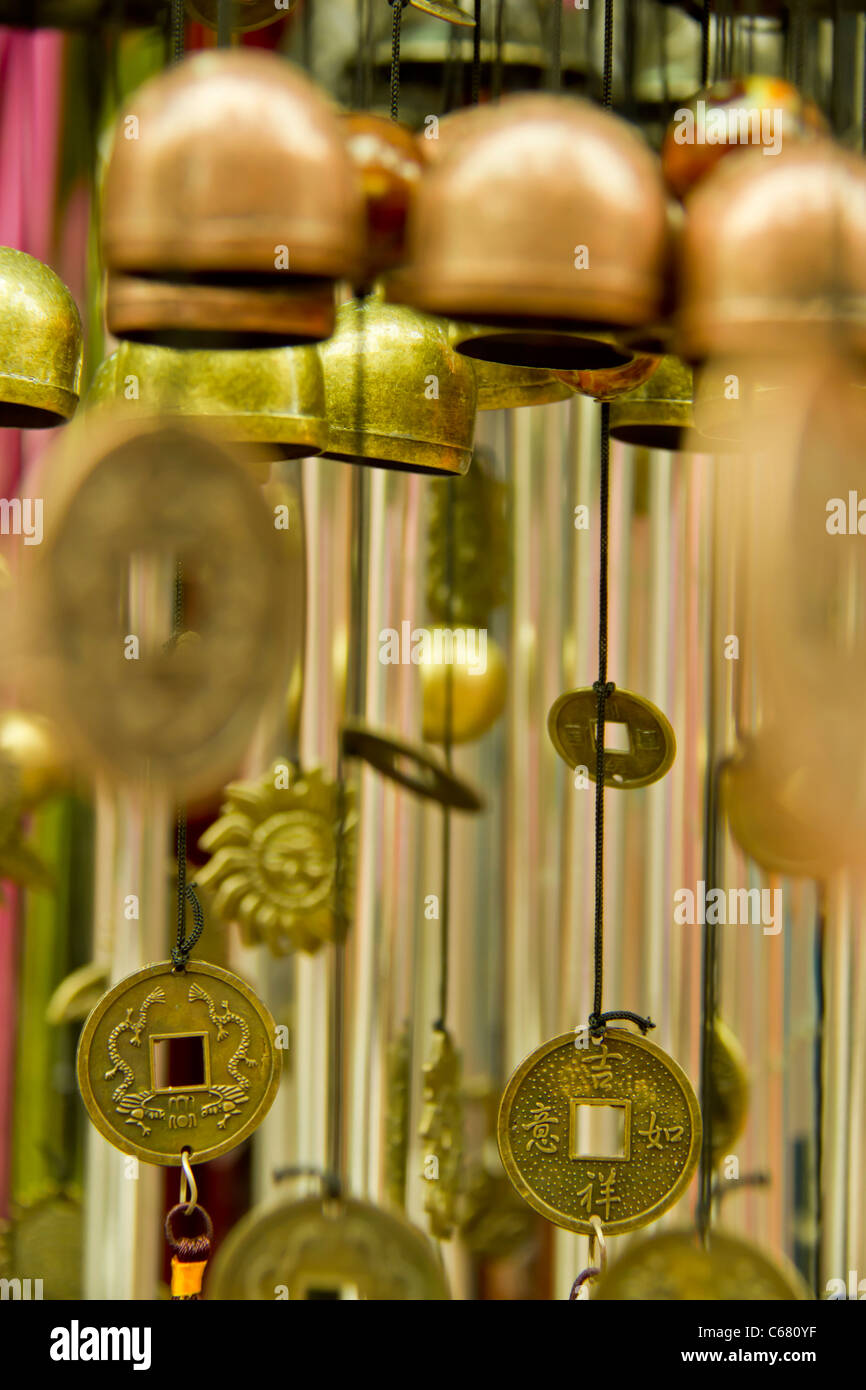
x=658 y=414
x=172 y=314
x=397 y=394
x=501 y=387
x=266 y=396
x=230 y=170
x=773 y=254
x=546 y=217
x=41 y=354
x=247 y=14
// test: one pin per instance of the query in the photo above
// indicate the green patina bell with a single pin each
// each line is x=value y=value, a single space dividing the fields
x=272 y=397
x=41 y=352
x=397 y=394
x=503 y=387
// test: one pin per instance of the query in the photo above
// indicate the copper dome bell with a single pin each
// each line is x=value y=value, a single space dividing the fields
x=545 y=219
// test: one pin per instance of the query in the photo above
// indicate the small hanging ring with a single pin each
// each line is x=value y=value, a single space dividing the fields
x=597 y=1239
x=187 y=1177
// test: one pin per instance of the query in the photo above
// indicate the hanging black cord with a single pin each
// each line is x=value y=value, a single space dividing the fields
x=476 y=56
x=554 y=80
x=498 y=42
x=178 y=31
x=705 y=43
x=603 y=687
x=397 y=7
x=184 y=944
x=225 y=22
x=607 y=78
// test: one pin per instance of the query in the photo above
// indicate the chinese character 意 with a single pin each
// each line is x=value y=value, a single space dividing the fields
x=543 y=1135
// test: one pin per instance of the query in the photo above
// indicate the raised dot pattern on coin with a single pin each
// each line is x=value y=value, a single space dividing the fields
x=652 y=745
x=316 y=1250
x=123 y=1080
x=546 y=1105
x=673 y=1268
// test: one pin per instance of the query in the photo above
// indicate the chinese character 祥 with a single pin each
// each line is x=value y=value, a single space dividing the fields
x=605 y=1198
x=543 y=1134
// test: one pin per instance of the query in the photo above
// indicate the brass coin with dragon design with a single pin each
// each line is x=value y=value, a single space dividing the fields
x=550 y=1149
x=124 y=1057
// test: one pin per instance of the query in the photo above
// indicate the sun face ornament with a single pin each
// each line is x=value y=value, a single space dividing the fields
x=282 y=859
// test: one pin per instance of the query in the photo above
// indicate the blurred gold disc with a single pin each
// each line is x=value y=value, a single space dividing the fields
x=674 y=1267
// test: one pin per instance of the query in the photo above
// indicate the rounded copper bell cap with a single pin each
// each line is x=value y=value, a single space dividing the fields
x=41 y=353
x=389 y=160
x=716 y=121
x=272 y=397
x=545 y=218
x=774 y=254
x=192 y=315
x=397 y=394
x=501 y=387
x=659 y=413
x=247 y=14
x=232 y=165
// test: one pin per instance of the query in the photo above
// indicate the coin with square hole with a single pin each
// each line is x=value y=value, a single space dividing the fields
x=639 y=743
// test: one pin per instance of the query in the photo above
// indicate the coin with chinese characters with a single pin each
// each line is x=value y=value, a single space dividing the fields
x=178 y=1059
x=674 y=1267
x=605 y=1127
x=652 y=745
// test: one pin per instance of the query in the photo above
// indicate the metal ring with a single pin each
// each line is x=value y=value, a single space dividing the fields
x=170 y=1236
x=187 y=1176
x=597 y=1238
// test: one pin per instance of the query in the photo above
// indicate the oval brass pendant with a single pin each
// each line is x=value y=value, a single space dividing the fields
x=673 y=1267
x=326 y=1251
x=544 y=1131
x=652 y=744
x=410 y=765
x=230 y=1058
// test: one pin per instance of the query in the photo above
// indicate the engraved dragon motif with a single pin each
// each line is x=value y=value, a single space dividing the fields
x=136 y=1105
x=229 y=1098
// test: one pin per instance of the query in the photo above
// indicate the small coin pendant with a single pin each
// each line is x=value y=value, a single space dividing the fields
x=652 y=746
x=327 y=1251
x=569 y=1168
x=172 y=1060
x=673 y=1267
